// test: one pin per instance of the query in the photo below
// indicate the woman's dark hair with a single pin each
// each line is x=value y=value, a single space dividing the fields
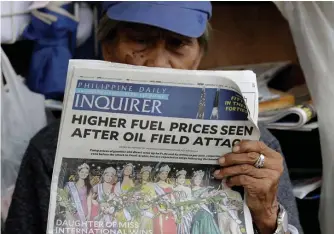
x=88 y=185
x=87 y=182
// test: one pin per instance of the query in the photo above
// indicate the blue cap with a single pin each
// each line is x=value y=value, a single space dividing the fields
x=185 y=18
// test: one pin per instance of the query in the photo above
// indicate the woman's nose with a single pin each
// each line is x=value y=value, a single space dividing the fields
x=158 y=57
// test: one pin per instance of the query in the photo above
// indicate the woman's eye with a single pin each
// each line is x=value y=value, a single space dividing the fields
x=178 y=46
x=141 y=40
x=138 y=39
x=176 y=43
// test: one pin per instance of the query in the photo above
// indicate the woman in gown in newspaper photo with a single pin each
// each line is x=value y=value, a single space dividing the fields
x=203 y=220
x=182 y=193
x=103 y=194
x=122 y=187
x=147 y=190
x=228 y=209
x=164 y=221
x=79 y=193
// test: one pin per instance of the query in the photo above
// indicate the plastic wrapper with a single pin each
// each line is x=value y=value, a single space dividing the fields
x=312 y=28
x=22 y=116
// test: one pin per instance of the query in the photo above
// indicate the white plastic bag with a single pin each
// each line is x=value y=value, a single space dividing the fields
x=312 y=28
x=85 y=26
x=14 y=18
x=22 y=116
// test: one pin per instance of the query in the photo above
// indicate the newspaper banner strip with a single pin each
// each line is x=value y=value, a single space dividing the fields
x=159 y=100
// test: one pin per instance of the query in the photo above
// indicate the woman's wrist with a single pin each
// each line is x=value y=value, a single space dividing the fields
x=266 y=221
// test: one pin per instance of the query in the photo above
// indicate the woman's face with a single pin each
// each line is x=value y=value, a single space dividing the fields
x=181 y=179
x=83 y=173
x=197 y=180
x=143 y=45
x=163 y=175
x=145 y=175
x=107 y=177
x=127 y=170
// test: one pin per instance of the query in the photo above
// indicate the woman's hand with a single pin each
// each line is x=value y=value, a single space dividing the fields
x=94 y=196
x=260 y=184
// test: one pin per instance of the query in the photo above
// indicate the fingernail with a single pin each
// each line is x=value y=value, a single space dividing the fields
x=216 y=172
x=236 y=149
x=221 y=160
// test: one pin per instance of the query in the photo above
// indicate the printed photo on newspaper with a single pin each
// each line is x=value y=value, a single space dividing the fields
x=138 y=147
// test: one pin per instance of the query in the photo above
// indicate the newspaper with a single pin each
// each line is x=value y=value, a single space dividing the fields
x=290 y=118
x=137 y=149
x=265 y=72
x=301 y=188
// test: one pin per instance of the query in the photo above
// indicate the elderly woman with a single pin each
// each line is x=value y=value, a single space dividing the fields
x=169 y=35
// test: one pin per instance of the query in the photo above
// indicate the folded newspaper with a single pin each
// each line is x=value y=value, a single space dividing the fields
x=290 y=118
x=265 y=72
x=138 y=146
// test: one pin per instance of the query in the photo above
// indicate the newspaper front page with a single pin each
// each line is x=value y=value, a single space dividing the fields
x=138 y=147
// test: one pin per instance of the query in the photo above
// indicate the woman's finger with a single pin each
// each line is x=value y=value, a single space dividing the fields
x=242 y=180
x=246 y=169
x=255 y=146
x=250 y=158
